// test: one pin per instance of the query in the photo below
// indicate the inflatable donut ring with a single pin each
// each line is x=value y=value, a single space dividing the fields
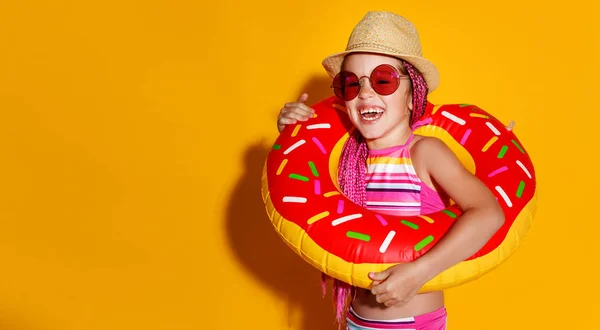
x=345 y=241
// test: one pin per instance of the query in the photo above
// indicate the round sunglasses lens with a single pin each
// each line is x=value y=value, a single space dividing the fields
x=385 y=79
x=346 y=85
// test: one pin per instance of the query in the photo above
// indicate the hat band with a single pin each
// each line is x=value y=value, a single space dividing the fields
x=372 y=45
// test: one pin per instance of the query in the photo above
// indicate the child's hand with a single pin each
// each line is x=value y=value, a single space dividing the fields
x=398 y=284
x=292 y=112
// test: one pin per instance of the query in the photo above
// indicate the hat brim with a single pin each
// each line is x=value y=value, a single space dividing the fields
x=333 y=63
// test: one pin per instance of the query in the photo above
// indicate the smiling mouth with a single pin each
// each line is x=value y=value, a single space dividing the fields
x=371 y=113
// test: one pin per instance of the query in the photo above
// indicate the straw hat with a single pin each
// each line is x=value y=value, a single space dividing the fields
x=389 y=34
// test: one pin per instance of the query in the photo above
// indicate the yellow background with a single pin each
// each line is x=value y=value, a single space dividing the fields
x=132 y=135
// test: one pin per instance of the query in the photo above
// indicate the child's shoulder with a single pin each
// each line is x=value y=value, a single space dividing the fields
x=428 y=151
x=428 y=144
x=424 y=151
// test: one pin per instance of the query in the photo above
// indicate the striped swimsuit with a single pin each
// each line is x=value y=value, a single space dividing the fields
x=394 y=188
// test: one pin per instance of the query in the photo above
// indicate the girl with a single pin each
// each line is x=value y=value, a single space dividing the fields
x=384 y=81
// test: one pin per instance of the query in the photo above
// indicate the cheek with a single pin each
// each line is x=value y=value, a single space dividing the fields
x=396 y=103
x=354 y=119
x=350 y=109
x=350 y=104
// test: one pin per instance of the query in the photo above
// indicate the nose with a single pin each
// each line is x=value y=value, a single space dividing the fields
x=366 y=91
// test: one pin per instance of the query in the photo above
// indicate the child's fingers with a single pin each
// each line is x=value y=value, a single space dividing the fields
x=286 y=121
x=294 y=115
x=303 y=98
x=299 y=107
x=383 y=298
x=281 y=122
x=293 y=112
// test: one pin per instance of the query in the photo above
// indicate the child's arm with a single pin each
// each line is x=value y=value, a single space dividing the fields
x=482 y=217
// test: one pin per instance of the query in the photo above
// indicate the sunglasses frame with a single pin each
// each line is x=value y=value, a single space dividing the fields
x=399 y=77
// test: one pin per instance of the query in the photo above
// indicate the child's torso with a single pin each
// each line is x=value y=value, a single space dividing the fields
x=393 y=187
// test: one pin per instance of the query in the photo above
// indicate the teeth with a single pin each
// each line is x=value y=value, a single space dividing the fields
x=365 y=111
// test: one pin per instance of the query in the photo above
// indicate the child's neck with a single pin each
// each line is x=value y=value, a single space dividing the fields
x=392 y=139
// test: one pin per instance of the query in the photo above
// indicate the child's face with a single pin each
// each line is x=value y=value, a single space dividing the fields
x=390 y=120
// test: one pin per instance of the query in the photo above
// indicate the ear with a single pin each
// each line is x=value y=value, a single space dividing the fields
x=409 y=102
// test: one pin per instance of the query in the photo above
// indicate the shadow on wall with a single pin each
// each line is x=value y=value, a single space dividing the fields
x=260 y=250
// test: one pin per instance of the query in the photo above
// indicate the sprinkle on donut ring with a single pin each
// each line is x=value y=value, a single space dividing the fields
x=345 y=241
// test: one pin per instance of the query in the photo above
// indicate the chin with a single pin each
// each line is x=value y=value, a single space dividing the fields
x=371 y=133
x=371 y=130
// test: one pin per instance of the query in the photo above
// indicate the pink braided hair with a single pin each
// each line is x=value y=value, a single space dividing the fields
x=352 y=171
